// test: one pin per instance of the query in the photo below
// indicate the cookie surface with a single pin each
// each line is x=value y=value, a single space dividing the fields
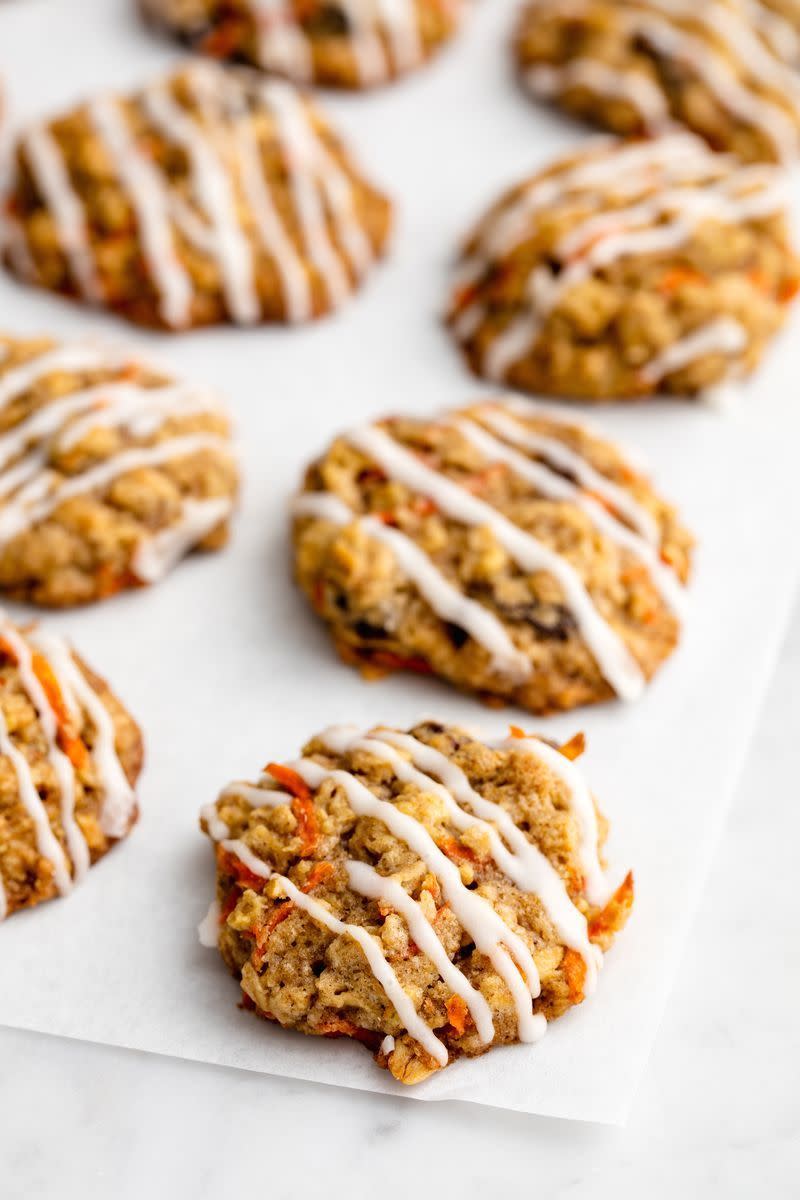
x=725 y=68
x=70 y=755
x=425 y=893
x=110 y=472
x=209 y=196
x=338 y=43
x=502 y=547
x=629 y=269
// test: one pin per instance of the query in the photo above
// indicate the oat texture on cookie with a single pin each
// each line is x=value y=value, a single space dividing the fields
x=110 y=471
x=70 y=755
x=625 y=270
x=210 y=196
x=725 y=68
x=337 y=43
x=424 y=892
x=504 y=547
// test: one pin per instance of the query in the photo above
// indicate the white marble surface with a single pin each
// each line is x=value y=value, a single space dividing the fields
x=717 y=1115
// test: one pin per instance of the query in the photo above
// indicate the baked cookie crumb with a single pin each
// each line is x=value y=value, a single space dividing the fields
x=628 y=269
x=210 y=196
x=70 y=755
x=110 y=471
x=504 y=547
x=426 y=893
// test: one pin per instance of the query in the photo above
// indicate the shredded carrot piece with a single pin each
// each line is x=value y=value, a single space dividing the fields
x=307 y=829
x=677 y=277
x=289 y=779
x=787 y=291
x=229 y=864
x=516 y=732
x=340 y=1027
x=615 y=913
x=319 y=873
x=423 y=506
x=68 y=740
x=457 y=1013
x=396 y=662
x=228 y=904
x=386 y=518
x=110 y=581
x=575 y=974
x=457 y=852
x=574 y=748
x=222 y=41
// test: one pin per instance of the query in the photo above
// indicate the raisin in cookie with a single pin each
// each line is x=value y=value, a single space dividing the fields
x=209 y=196
x=502 y=547
x=725 y=68
x=70 y=755
x=426 y=893
x=338 y=43
x=110 y=472
x=628 y=269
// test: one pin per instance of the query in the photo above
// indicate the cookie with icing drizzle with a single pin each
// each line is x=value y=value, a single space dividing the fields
x=213 y=195
x=110 y=472
x=426 y=893
x=503 y=547
x=337 y=43
x=628 y=269
x=725 y=68
x=70 y=755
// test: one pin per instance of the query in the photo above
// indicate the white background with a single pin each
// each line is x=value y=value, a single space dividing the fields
x=224 y=666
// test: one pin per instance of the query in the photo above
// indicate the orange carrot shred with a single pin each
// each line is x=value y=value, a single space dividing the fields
x=289 y=779
x=306 y=816
x=575 y=975
x=574 y=748
x=318 y=874
x=69 y=742
x=457 y=1014
x=613 y=916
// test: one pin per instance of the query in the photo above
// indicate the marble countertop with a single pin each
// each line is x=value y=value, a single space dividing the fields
x=716 y=1116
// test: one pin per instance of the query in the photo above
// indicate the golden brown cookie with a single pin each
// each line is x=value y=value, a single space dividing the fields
x=110 y=472
x=70 y=755
x=725 y=68
x=209 y=196
x=428 y=894
x=503 y=547
x=337 y=43
x=628 y=269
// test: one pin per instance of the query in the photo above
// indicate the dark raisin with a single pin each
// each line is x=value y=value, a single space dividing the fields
x=457 y=635
x=328 y=21
x=369 y=632
x=549 y=620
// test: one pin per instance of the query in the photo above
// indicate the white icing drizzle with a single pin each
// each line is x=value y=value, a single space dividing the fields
x=370 y=945
x=668 y=207
x=500 y=417
x=208 y=929
x=507 y=952
x=555 y=487
x=33 y=491
x=157 y=554
x=387 y=1045
x=52 y=180
x=24 y=510
x=284 y=46
x=119 y=799
x=634 y=87
x=657 y=22
x=365 y=880
x=721 y=336
x=598 y=889
x=300 y=152
x=616 y=662
x=446 y=600
x=77 y=356
x=212 y=190
x=517 y=857
x=62 y=767
x=149 y=199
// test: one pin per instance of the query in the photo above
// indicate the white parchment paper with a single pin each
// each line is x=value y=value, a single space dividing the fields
x=225 y=667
